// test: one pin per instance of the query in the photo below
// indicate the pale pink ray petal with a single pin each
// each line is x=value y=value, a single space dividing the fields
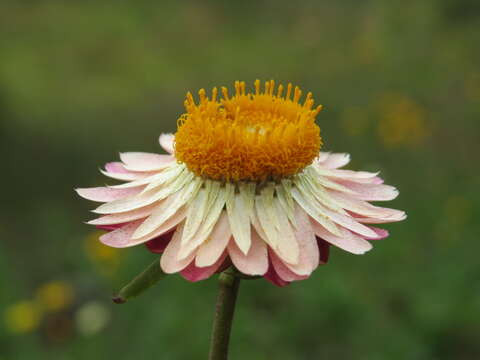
x=169 y=224
x=371 y=192
x=213 y=247
x=169 y=260
x=306 y=239
x=322 y=156
x=106 y=194
x=377 y=180
x=348 y=241
x=141 y=161
x=308 y=247
x=395 y=216
x=349 y=175
x=120 y=237
x=194 y=273
x=381 y=234
x=360 y=207
x=167 y=142
x=256 y=260
x=335 y=161
x=110 y=227
x=350 y=223
x=116 y=170
x=123 y=217
x=283 y=270
x=116 y=167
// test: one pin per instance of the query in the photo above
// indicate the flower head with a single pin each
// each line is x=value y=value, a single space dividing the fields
x=245 y=184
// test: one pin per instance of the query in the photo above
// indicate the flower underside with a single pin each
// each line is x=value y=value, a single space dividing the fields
x=248 y=137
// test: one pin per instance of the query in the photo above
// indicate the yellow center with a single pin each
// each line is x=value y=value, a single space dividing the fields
x=250 y=137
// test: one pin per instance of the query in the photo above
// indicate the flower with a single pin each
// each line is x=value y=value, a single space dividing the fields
x=22 y=317
x=55 y=295
x=245 y=184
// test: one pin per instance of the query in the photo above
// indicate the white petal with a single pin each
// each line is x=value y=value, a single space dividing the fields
x=196 y=213
x=167 y=208
x=144 y=199
x=266 y=216
x=361 y=207
x=214 y=246
x=285 y=198
x=239 y=209
x=333 y=161
x=166 y=142
x=288 y=248
x=313 y=208
x=311 y=189
x=347 y=241
x=397 y=215
x=165 y=175
x=212 y=216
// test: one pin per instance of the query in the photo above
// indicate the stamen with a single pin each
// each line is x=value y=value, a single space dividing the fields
x=249 y=136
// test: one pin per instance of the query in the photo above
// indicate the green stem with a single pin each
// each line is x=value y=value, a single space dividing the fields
x=150 y=276
x=225 y=308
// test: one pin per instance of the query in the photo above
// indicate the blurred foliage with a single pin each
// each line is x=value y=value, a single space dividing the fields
x=80 y=81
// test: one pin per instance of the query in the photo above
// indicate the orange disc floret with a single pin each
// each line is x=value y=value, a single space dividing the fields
x=258 y=136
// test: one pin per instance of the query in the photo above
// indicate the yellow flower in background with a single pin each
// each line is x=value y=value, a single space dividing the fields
x=55 y=295
x=106 y=258
x=22 y=317
x=402 y=121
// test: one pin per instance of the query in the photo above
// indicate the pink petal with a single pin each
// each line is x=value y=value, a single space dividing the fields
x=371 y=192
x=348 y=241
x=166 y=142
x=256 y=260
x=162 y=229
x=169 y=261
x=381 y=234
x=350 y=223
x=116 y=170
x=110 y=227
x=140 y=161
x=334 y=161
x=361 y=207
x=121 y=236
x=116 y=167
x=308 y=250
x=158 y=244
x=123 y=217
x=211 y=250
x=282 y=270
x=194 y=273
x=106 y=194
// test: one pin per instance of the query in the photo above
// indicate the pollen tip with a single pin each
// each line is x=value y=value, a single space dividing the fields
x=248 y=136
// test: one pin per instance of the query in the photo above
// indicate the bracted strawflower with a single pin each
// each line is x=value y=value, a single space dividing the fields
x=246 y=191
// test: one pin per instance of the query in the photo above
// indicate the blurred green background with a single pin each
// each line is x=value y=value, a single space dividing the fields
x=82 y=80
